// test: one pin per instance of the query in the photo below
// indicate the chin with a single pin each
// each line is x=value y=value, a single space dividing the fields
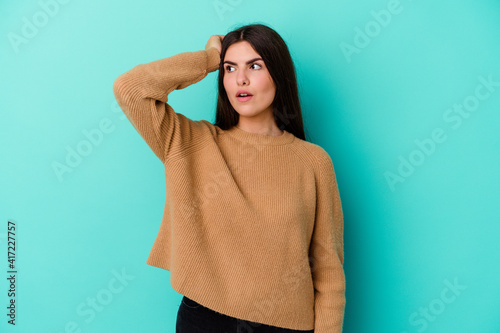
x=248 y=113
x=248 y=110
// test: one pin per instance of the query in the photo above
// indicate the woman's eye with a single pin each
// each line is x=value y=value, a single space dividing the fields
x=231 y=68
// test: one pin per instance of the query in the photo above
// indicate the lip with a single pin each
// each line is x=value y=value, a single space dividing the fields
x=244 y=99
x=243 y=92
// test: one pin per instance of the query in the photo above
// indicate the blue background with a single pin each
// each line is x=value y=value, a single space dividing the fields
x=376 y=78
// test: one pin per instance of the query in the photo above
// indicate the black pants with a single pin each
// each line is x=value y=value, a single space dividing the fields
x=193 y=317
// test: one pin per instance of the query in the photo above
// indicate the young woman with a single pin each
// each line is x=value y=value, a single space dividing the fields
x=252 y=230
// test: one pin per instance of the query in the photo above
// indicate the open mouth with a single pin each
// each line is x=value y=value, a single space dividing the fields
x=244 y=97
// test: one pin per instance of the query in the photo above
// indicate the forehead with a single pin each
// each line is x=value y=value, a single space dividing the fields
x=240 y=52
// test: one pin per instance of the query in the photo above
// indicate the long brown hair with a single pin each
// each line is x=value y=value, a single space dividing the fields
x=275 y=54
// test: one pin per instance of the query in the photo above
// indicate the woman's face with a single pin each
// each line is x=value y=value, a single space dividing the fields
x=244 y=71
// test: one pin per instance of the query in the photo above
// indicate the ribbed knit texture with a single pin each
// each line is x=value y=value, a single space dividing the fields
x=253 y=224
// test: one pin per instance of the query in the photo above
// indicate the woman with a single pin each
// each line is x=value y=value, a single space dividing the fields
x=252 y=231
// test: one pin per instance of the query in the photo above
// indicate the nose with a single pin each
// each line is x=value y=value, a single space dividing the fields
x=241 y=78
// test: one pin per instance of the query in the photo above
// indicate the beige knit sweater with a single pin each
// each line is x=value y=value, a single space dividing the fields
x=252 y=225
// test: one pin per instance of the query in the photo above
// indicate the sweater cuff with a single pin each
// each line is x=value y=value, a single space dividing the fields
x=213 y=59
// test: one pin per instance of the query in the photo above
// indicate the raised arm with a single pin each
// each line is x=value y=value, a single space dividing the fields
x=142 y=94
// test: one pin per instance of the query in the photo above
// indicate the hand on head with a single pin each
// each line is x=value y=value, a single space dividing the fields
x=215 y=41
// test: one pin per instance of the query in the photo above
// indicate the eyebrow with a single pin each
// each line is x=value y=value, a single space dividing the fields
x=248 y=62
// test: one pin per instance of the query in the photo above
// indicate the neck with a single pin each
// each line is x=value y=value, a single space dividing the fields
x=261 y=129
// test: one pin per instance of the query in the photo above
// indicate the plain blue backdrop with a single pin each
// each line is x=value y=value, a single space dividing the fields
x=404 y=96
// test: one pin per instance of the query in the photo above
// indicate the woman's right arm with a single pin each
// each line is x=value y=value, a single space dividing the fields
x=142 y=94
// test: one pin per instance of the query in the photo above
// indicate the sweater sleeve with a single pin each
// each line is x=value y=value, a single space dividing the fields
x=142 y=94
x=327 y=254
